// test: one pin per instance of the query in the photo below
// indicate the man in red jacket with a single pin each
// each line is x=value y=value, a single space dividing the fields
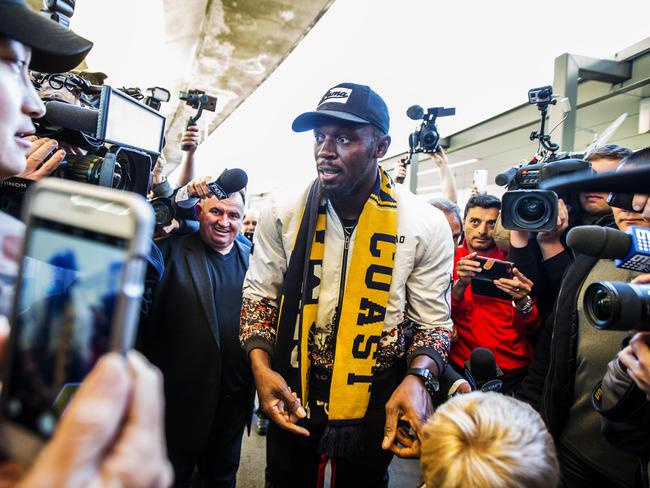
x=499 y=324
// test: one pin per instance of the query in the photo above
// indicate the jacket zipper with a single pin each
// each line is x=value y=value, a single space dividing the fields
x=344 y=264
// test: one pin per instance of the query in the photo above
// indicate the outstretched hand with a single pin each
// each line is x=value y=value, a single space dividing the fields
x=277 y=400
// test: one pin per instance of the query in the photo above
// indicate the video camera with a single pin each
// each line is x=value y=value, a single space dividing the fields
x=524 y=206
x=425 y=137
x=616 y=305
x=122 y=137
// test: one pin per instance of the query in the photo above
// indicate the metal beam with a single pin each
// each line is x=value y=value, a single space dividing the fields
x=571 y=69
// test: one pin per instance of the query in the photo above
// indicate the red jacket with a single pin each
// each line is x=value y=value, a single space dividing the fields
x=482 y=321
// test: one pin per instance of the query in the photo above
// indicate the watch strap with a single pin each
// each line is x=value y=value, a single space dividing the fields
x=427 y=377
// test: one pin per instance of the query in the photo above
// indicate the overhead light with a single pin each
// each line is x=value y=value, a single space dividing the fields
x=463 y=163
x=454 y=165
x=428 y=188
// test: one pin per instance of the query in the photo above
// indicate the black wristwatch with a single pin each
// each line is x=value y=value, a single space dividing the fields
x=427 y=377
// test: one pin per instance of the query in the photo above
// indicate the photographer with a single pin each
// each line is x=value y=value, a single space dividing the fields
x=543 y=256
x=111 y=432
x=571 y=357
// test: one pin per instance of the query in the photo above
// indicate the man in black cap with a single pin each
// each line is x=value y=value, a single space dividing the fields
x=28 y=40
x=338 y=272
x=112 y=431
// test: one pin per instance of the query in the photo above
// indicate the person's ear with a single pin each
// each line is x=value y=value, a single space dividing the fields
x=382 y=146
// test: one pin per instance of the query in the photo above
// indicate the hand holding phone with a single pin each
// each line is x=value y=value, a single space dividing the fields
x=78 y=297
x=516 y=287
x=112 y=433
x=493 y=269
x=490 y=270
x=467 y=268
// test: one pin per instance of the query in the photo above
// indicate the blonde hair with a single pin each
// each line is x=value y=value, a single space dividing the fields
x=481 y=440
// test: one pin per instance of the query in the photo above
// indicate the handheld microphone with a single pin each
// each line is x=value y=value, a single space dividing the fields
x=482 y=371
x=67 y=116
x=230 y=181
x=630 y=249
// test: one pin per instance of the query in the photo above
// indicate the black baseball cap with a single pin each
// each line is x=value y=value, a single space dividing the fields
x=349 y=102
x=54 y=48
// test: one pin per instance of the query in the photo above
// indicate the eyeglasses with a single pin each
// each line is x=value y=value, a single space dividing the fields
x=71 y=82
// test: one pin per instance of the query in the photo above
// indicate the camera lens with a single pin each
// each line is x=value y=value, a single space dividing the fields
x=601 y=304
x=531 y=209
x=429 y=138
x=616 y=305
x=124 y=168
x=163 y=210
x=85 y=169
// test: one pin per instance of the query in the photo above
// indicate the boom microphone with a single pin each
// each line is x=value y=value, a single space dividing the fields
x=67 y=116
x=230 y=181
x=630 y=249
x=482 y=371
x=504 y=178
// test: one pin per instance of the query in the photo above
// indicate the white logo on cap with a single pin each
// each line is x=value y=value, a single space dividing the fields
x=336 y=95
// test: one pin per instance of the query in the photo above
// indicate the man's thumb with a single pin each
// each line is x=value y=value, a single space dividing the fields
x=293 y=403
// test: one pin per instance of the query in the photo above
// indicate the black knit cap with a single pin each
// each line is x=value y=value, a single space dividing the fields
x=54 y=48
x=349 y=102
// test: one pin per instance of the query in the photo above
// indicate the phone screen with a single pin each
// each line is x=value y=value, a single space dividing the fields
x=62 y=324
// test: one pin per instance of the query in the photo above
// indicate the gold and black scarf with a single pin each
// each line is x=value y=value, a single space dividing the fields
x=361 y=310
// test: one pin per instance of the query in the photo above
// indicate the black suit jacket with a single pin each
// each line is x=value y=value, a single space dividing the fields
x=180 y=335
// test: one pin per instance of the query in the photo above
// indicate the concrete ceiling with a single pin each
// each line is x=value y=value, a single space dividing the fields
x=226 y=48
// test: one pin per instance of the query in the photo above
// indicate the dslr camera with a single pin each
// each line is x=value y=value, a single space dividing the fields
x=524 y=206
x=425 y=137
x=616 y=305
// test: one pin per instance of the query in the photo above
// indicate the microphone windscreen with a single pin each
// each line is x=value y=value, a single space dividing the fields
x=415 y=112
x=69 y=116
x=599 y=242
x=482 y=364
x=232 y=180
x=504 y=178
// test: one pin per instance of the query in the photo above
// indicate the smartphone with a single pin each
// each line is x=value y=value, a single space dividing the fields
x=491 y=269
x=78 y=296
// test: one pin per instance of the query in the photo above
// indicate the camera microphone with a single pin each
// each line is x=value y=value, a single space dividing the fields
x=230 y=181
x=482 y=371
x=67 y=116
x=504 y=178
x=415 y=112
x=630 y=249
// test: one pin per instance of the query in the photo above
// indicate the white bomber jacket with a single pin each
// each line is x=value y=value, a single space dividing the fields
x=419 y=292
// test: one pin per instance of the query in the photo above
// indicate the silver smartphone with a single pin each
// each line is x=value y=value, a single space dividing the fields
x=78 y=297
